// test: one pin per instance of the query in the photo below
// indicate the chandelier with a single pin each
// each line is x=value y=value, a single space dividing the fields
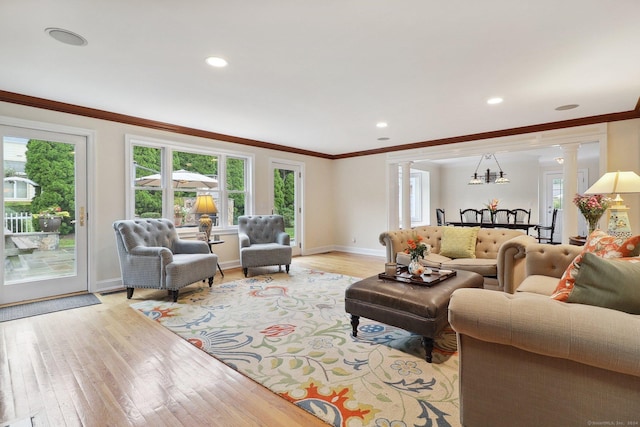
x=489 y=177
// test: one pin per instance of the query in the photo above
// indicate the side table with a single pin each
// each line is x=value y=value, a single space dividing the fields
x=216 y=242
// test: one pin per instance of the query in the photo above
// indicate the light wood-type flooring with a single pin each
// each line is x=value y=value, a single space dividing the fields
x=106 y=365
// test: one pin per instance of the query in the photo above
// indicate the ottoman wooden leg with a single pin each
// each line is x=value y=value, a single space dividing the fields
x=427 y=343
x=354 y=324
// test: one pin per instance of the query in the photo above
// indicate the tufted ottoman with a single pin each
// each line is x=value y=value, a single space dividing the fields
x=416 y=308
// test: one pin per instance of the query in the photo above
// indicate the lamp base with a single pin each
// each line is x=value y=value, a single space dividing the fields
x=619 y=225
x=205 y=225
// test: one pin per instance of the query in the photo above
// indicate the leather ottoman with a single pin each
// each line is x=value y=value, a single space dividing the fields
x=416 y=308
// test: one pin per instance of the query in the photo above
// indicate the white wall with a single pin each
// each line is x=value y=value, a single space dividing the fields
x=343 y=199
x=521 y=192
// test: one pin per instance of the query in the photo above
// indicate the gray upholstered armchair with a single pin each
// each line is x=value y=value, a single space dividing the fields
x=263 y=242
x=153 y=256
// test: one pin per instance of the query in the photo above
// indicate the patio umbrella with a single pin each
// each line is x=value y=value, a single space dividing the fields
x=181 y=179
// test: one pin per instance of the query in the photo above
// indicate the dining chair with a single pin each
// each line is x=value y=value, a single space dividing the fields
x=501 y=216
x=521 y=216
x=542 y=230
x=440 y=216
x=485 y=216
x=470 y=215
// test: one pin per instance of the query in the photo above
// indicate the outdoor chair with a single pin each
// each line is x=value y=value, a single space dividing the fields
x=153 y=256
x=263 y=242
x=545 y=233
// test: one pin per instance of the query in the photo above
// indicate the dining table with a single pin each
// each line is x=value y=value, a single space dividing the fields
x=513 y=226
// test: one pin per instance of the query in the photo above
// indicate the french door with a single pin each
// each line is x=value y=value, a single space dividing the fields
x=44 y=214
x=286 y=200
x=554 y=198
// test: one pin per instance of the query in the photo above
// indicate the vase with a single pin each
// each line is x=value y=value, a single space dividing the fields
x=50 y=224
x=592 y=222
x=415 y=268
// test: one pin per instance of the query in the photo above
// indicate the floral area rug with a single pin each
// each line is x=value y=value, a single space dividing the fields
x=290 y=333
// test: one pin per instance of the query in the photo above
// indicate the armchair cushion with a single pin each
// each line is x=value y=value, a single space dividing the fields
x=613 y=283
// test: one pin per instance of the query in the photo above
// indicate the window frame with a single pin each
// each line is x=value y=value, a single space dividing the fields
x=167 y=148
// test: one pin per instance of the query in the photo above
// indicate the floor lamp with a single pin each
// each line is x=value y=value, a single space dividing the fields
x=617 y=183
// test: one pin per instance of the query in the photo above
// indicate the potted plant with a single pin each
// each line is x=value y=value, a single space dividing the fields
x=51 y=218
x=179 y=212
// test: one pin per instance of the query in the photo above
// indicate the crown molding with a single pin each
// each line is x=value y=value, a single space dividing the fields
x=31 y=101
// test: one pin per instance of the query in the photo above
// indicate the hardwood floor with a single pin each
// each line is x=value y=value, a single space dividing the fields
x=106 y=365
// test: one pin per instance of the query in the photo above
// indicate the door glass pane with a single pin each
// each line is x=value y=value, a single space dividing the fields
x=39 y=210
x=557 y=191
x=284 y=199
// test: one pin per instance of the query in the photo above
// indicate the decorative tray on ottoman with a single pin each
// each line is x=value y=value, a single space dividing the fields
x=429 y=278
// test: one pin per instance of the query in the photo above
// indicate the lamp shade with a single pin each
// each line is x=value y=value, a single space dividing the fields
x=616 y=183
x=205 y=205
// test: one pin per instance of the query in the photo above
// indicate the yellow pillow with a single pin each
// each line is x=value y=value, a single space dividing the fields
x=459 y=242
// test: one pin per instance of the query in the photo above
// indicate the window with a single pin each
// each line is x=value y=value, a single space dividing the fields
x=167 y=179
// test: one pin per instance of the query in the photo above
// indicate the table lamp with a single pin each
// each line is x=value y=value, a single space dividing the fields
x=617 y=183
x=204 y=206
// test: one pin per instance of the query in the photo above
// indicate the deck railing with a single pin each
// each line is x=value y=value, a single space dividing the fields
x=18 y=222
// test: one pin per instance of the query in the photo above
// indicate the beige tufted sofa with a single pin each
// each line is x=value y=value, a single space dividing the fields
x=559 y=363
x=527 y=266
x=485 y=263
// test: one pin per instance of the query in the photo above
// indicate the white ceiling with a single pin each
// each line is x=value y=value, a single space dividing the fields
x=318 y=75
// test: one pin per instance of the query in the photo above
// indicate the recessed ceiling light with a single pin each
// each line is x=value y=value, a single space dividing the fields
x=382 y=124
x=493 y=101
x=66 y=36
x=216 y=61
x=567 y=107
x=384 y=138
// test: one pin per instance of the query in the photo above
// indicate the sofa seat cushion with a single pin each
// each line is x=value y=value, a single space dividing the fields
x=538 y=284
x=484 y=267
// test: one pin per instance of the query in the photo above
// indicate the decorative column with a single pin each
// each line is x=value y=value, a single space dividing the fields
x=570 y=188
x=394 y=196
x=406 y=195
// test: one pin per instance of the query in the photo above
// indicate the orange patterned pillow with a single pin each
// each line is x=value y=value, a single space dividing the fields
x=602 y=245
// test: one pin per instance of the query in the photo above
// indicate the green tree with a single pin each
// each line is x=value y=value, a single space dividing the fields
x=278 y=192
x=52 y=166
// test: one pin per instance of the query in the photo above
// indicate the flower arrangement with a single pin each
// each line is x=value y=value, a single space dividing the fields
x=592 y=207
x=51 y=212
x=416 y=249
x=180 y=211
x=493 y=205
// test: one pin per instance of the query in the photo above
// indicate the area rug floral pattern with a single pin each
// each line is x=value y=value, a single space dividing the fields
x=290 y=333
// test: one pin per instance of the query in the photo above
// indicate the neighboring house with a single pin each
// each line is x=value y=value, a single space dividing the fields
x=17 y=187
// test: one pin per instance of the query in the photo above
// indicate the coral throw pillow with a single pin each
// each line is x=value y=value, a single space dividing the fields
x=603 y=245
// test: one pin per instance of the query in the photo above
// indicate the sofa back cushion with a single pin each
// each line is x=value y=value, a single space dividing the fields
x=490 y=239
